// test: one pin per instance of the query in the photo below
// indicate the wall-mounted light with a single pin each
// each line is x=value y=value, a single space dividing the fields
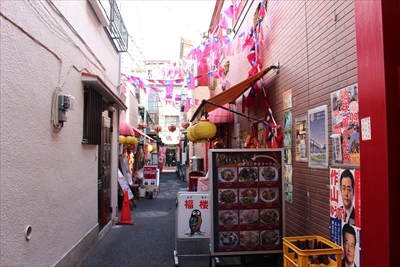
x=111 y=107
x=277 y=67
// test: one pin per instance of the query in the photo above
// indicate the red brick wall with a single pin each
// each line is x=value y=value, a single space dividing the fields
x=317 y=54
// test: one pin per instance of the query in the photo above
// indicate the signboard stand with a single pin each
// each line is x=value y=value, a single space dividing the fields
x=247 y=211
x=151 y=178
x=192 y=220
x=123 y=183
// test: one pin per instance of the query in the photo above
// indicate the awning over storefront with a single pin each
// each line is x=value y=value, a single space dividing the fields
x=99 y=85
x=139 y=132
x=125 y=128
x=221 y=115
x=229 y=95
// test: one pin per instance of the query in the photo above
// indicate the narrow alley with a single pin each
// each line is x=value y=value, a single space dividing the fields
x=151 y=241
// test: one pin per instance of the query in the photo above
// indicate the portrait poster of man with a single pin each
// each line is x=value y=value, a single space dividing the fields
x=346 y=124
x=345 y=213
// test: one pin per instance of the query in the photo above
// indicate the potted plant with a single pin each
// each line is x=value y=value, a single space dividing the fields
x=142 y=190
x=150 y=192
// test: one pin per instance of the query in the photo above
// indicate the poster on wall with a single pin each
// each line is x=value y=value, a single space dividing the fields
x=247 y=212
x=288 y=183
x=345 y=213
x=318 y=137
x=301 y=139
x=346 y=126
x=287 y=99
x=287 y=142
x=287 y=127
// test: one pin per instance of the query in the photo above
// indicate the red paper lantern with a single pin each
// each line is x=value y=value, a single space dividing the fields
x=172 y=128
x=185 y=124
x=142 y=125
x=157 y=128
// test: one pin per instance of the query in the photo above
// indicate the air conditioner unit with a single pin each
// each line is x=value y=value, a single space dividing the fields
x=102 y=10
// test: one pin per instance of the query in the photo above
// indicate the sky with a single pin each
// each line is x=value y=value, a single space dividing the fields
x=160 y=24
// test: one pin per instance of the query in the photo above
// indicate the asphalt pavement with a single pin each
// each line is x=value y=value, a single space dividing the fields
x=151 y=242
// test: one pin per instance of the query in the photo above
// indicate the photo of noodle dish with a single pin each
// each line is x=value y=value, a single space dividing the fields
x=227 y=196
x=228 y=217
x=269 y=194
x=248 y=216
x=268 y=173
x=228 y=239
x=227 y=175
x=248 y=195
x=269 y=237
x=269 y=216
x=248 y=174
x=249 y=238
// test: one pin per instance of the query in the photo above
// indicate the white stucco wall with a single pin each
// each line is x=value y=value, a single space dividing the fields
x=48 y=180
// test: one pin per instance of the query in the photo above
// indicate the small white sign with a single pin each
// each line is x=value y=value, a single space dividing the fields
x=366 y=128
x=193 y=215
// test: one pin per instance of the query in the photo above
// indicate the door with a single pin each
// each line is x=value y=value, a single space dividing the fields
x=104 y=191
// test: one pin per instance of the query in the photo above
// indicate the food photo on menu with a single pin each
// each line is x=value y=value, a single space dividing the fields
x=248 y=174
x=228 y=239
x=268 y=174
x=249 y=238
x=268 y=216
x=248 y=195
x=227 y=175
x=269 y=194
x=227 y=196
x=248 y=216
x=228 y=217
x=269 y=237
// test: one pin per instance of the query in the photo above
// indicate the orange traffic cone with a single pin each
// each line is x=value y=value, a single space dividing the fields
x=126 y=212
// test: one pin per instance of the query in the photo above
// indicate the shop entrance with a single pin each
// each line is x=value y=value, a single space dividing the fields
x=171 y=157
x=104 y=191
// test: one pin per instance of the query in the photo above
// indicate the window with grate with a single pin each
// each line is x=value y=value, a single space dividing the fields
x=92 y=116
x=171 y=119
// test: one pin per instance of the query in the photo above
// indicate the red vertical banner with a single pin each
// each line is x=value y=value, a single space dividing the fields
x=161 y=157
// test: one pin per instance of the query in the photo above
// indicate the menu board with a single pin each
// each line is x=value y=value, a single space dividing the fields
x=247 y=201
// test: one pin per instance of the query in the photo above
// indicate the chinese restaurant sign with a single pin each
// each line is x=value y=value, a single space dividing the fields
x=193 y=215
x=247 y=214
